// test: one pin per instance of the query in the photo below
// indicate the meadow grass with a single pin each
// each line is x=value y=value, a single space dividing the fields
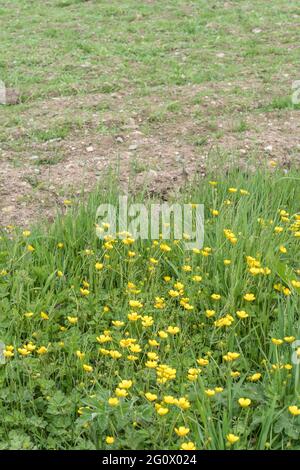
x=241 y=54
x=130 y=344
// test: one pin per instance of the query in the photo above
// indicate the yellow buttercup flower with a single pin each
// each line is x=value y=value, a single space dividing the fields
x=173 y=330
x=131 y=357
x=289 y=339
x=147 y=321
x=169 y=399
x=135 y=304
x=162 y=334
x=182 y=431
x=84 y=292
x=113 y=401
x=165 y=373
x=244 y=402
x=118 y=323
x=183 y=403
x=193 y=374
x=294 y=410
x=121 y=392
x=151 y=396
x=232 y=438
x=244 y=192
x=42 y=350
x=242 y=314
x=125 y=384
x=231 y=356
x=28 y=314
x=151 y=364
x=152 y=356
x=227 y=320
x=162 y=411
x=109 y=440
x=286 y=291
x=99 y=266
x=115 y=354
x=203 y=362
x=214 y=212
x=249 y=297
x=210 y=313
x=235 y=374
x=133 y=316
x=80 y=354
x=8 y=353
x=255 y=377
x=44 y=316
x=135 y=348
x=164 y=247
x=209 y=392
x=104 y=339
x=24 y=351
x=187 y=268
x=30 y=346
x=276 y=341
x=174 y=293
x=188 y=446
x=215 y=296
x=159 y=303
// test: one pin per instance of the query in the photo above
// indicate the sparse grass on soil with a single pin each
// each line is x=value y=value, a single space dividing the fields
x=170 y=78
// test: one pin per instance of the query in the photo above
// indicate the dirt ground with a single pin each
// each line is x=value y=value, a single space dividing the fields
x=161 y=156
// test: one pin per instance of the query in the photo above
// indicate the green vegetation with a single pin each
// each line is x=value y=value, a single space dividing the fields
x=80 y=315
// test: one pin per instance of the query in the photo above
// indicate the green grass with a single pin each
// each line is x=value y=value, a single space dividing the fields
x=81 y=48
x=49 y=401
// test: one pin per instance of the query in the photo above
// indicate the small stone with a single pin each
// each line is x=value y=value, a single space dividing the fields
x=9 y=96
x=133 y=147
x=8 y=209
x=131 y=124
